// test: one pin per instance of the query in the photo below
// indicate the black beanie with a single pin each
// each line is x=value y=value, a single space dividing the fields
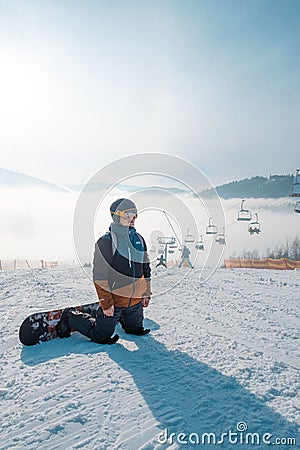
x=122 y=204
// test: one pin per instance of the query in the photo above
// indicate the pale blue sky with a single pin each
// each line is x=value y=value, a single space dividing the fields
x=213 y=81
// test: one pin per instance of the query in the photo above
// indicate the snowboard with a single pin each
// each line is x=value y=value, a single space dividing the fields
x=40 y=327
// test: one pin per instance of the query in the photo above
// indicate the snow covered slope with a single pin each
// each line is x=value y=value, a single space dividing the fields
x=220 y=356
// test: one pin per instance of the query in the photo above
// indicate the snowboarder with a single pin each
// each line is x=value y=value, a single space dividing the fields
x=162 y=261
x=121 y=274
x=185 y=257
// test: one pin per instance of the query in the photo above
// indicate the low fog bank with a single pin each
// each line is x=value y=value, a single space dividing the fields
x=39 y=225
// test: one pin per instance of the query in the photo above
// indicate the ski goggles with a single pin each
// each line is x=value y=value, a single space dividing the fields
x=127 y=214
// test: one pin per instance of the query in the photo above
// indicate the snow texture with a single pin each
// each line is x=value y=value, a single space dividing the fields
x=219 y=354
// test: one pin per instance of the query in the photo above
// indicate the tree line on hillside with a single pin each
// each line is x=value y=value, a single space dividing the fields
x=275 y=186
x=290 y=249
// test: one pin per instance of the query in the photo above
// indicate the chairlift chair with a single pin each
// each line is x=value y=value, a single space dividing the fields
x=189 y=237
x=211 y=229
x=173 y=243
x=163 y=240
x=153 y=249
x=296 y=184
x=221 y=238
x=244 y=214
x=199 y=245
x=297 y=207
x=254 y=227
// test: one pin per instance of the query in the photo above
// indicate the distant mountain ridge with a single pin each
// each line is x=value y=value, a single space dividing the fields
x=11 y=179
x=92 y=187
x=275 y=186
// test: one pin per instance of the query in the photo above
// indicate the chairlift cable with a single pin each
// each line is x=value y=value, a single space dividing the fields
x=220 y=213
x=273 y=204
x=172 y=227
x=228 y=209
x=262 y=209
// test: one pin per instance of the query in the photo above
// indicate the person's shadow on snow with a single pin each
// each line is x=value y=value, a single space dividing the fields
x=186 y=395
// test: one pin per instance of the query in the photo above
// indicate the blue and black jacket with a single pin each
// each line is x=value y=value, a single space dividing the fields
x=121 y=268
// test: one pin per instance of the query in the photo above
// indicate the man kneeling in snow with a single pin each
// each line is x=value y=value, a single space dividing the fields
x=121 y=273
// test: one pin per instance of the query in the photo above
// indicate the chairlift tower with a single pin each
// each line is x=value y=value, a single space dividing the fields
x=296 y=184
x=296 y=190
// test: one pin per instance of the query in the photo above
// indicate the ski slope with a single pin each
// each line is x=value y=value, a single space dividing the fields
x=221 y=355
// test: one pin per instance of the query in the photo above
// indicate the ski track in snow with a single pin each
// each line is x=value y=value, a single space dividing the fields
x=219 y=353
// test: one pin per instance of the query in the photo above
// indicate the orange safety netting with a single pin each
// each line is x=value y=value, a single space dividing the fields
x=266 y=263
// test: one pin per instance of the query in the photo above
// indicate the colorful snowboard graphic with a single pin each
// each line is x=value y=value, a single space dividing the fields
x=40 y=327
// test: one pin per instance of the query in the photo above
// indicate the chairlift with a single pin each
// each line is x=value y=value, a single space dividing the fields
x=171 y=251
x=296 y=184
x=163 y=240
x=161 y=248
x=189 y=237
x=199 y=244
x=221 y=238
x=173 y=243
x=211 y=229
x=254 y=226
x=297 y=207
x=244 y=214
